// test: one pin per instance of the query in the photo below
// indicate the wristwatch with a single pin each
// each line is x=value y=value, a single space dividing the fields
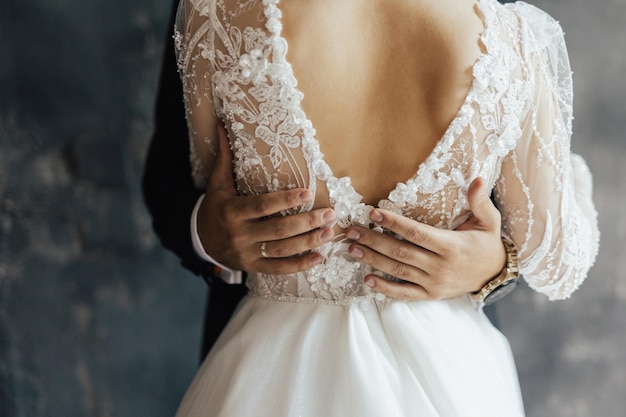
x=505 y=282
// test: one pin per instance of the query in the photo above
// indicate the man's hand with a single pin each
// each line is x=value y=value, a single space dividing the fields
x=435 y=263
x=232 y=228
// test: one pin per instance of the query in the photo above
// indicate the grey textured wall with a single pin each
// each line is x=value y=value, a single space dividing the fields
x=97 y=320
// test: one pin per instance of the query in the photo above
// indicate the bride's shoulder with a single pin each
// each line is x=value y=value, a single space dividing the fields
x=460 y=20
x=453 y=29
x=453 y=21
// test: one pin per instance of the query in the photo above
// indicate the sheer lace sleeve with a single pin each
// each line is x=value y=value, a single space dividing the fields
x=192 y=26
x=544 y=191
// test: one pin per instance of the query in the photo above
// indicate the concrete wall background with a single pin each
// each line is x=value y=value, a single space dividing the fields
x=97 y=320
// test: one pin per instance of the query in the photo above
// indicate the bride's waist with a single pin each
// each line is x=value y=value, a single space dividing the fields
x=339 y=279
x=336 y=281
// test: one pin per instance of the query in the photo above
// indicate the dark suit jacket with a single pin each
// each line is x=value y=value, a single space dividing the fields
x=170 y=194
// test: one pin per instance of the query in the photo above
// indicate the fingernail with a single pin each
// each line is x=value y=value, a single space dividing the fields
x=356 y=252
x=327 y=235
x=353 y=234
x=328 y=216
x=376 y=216
x=305 y=196
x=370 y=282
x=481 y=186
x=315 y=260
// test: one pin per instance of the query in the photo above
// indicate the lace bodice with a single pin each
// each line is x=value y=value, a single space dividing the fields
x=513 y=129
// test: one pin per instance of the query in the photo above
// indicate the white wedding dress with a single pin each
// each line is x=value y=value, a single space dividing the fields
x=320 y=343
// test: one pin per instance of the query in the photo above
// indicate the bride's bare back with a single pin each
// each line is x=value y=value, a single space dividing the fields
x=381 y=78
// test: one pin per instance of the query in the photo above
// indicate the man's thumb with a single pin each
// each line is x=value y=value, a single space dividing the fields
x=485 y=212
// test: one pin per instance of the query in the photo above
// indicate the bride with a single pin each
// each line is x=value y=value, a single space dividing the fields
x=387 y=110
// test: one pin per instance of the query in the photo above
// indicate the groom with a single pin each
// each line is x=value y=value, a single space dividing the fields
x=476 y=255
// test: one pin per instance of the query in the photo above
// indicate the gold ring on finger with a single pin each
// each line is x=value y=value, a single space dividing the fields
x=263 y=253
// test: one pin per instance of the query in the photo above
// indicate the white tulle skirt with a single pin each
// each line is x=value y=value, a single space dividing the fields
x=382 y=359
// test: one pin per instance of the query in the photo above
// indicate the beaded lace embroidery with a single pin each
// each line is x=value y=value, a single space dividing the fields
x=518 y=110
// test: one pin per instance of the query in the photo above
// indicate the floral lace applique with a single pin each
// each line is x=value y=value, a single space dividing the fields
x=253 y=89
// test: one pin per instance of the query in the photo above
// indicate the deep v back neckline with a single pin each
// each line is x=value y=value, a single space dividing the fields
x=340 y=189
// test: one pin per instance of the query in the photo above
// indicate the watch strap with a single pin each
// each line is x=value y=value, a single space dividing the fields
x=509 y=273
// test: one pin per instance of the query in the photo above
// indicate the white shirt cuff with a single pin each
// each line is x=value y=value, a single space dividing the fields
x=230 y=276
